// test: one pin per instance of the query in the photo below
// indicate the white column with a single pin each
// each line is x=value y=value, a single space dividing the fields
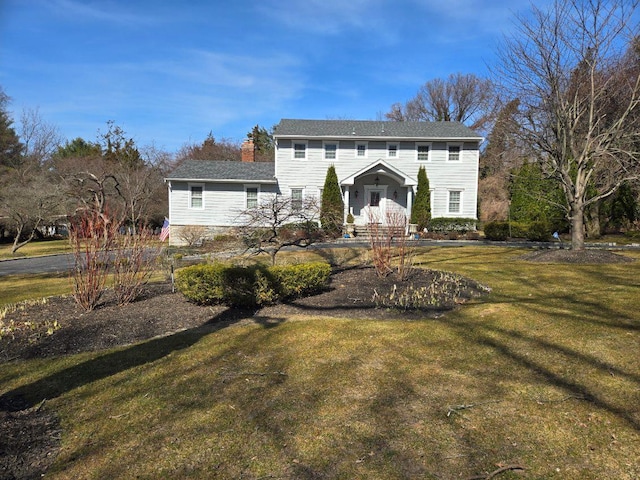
x=346 y=204
x=409 y=202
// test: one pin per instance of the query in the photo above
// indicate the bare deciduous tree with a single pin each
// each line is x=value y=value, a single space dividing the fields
x=461 y=98
x=29 y=200
x=40 y=138
x=579 y=95
x=210 y=149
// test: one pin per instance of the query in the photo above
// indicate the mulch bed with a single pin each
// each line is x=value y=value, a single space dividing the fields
x=30 y=435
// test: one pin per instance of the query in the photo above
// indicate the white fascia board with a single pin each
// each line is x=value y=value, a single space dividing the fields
x=221 y=180
x=382 y=139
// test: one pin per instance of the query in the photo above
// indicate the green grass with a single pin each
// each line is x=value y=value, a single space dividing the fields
x=542 y=373
x=17 y=288
x=35 y=248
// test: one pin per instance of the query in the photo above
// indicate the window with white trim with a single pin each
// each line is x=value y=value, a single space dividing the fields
x=330 y=151
x=252 y=197
x=423 y=152
x=454 y=153
x=296 y=198
x=455 y=201
x=392 y=150
x=361 y=150
x=300 y=150
x=196 y=196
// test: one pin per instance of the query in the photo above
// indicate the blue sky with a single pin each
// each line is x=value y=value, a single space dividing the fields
x=169 y=72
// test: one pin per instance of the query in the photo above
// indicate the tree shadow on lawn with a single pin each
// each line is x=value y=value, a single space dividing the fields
x=485 y=335
x=112 y=363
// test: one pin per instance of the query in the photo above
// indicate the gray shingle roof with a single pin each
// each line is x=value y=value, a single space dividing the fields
x=226 y=171
x=372 y=129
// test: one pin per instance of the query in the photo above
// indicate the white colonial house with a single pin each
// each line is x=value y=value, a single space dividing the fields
x=376 y=163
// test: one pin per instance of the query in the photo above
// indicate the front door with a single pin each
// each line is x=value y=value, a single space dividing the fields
x=375 y=204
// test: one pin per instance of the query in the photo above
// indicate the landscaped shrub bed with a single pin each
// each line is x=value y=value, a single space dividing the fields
x=537 y=231
x=450 y=224
x=222 y=284
x=301 y=279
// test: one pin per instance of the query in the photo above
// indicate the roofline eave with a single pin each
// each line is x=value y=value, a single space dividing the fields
x=380 y=138
x=222 y=180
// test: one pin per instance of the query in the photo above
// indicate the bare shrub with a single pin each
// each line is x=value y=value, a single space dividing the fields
x=380 y=240
x=397 y=224
x=192 y=235
x=389 y=240
x=135 y=258
x=92 y=237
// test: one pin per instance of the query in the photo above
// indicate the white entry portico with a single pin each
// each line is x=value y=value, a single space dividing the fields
x=375 y=190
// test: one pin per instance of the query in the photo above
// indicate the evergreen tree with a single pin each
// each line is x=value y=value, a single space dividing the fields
x=536 y=198
x=78 y=148
x=263 y=143
x=10 y=146
x=332 y=207
x=119 y=150
x=421 y=211
x=623 y=208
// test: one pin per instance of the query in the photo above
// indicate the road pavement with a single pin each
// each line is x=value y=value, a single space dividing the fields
x=48 y=264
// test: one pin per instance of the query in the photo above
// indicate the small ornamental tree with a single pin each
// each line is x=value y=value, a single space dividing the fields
x=421 y=211
x=332 y=206
x=278 y=222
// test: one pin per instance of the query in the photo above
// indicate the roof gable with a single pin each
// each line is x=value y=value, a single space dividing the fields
x=380 y=166
x=224 y=171
x=373 y=129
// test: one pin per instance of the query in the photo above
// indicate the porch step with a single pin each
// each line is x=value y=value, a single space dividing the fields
x=364 y=232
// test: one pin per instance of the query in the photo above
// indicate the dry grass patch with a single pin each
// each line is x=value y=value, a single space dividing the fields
x=542 y=373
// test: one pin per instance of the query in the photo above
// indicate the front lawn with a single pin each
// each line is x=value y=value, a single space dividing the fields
x=35 y=248
x=539 y=379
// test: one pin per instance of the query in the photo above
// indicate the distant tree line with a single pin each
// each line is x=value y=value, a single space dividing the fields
x=560 y=112
x=45 y=181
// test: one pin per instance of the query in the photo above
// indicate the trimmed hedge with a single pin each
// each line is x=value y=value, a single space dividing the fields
x=534 y=231
x=446 y=225
x=302 y=279
x=539 y=231
x=221 y=284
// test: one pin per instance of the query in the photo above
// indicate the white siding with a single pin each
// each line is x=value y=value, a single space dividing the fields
x=443 y=175
x=222 y=203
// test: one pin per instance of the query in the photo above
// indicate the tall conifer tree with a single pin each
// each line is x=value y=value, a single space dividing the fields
x=332 y=207
x=421 y=211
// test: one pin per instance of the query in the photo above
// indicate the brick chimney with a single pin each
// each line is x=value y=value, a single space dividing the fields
x=248 y=151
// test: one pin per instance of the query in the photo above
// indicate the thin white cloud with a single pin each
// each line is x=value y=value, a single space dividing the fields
x=210 y=90
x=328 y=17
x=100 y=11
x=463 y=17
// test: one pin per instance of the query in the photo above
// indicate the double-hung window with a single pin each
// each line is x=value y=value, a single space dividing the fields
x=455 y=201
x=454 y=153
x=423 y=153
x=361 y=150
x=252 y=197
x=300 y=150
x=196 y=196
x=330 y=151
x=296 y=198
x=392 y=150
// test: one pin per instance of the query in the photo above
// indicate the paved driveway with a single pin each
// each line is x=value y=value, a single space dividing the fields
x=48 y=264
